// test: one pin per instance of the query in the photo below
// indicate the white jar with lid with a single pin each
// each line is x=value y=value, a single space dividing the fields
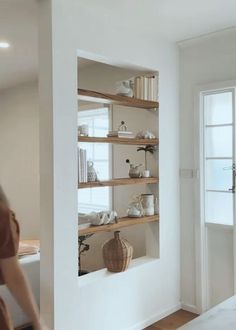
x=147 y=204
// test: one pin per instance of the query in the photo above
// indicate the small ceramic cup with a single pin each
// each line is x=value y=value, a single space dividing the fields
x=83 y=130
x=146 y=174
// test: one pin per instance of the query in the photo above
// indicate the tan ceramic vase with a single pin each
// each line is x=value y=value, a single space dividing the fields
x=117 y=254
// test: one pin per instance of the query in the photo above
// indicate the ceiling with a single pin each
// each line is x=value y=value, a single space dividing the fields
x=174 y=20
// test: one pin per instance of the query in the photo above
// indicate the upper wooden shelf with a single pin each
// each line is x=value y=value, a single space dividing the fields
x=117 y=182
x=117 y=140
x=91 y=96
x=122 y=223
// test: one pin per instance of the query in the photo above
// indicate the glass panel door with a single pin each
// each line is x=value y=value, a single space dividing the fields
x=219 y=156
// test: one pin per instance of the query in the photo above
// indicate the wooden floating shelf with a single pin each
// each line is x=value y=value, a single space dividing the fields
x=91 y=96
x=117 y=182
x=122 y=223
x=117 y=140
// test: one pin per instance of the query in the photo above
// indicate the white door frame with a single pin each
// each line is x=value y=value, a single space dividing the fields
x=201 y=284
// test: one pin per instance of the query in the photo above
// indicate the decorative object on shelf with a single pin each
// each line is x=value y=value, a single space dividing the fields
x=146 y=149
x=92 y=174
x=122 y=127
x=134 y=171
x=83 y=247
x=117 y=254
x=125 y=88
x=135 y=208
x=148 y=204
x=146 y=87
x=82 y=165
x=83 y=130
x=121 y=132
x=146 y=174
x=99 y=218
x=156 y=205
x=145 y=134
x=83 y=221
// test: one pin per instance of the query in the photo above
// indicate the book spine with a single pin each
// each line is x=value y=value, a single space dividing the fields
x=141 y=88
x=145 y=96
x=156 y=88
x=149 y=94
x=82 y=164
x=85 y=166
x=79 y=171
x=136 y=83
x=138 y=95
x=152 y=89
x=84 y=178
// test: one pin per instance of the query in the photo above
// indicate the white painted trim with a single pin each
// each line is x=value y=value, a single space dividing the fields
x=192 y=41
x=214 y=86
x=189 y=308
x=200 y=237
x=155 y=318
x=219 y=226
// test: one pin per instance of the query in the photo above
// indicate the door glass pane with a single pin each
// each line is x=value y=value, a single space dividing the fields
x=219 y=208
x=218 y=174
x=218 y=108
x=218 y=141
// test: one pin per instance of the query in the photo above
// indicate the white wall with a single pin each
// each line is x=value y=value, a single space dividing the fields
x=220 y=259
x=202 y=61
x=140 y=296
x=19 y=156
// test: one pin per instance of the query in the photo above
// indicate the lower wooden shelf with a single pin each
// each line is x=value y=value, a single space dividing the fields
x=122 y=223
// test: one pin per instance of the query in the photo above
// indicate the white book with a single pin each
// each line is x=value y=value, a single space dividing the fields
x=137 y=87
x=121 y=134
x=150 y=82
x=156 y=88
x=145 y=97
x=141 y=87
x=79 y=166
x=85 y=166
x=115 y=133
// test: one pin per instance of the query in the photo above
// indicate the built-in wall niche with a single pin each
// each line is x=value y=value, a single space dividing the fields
x=100 y=111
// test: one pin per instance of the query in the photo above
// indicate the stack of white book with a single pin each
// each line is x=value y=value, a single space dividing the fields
x=146 y=87
x=82 y=165
x=121 y=134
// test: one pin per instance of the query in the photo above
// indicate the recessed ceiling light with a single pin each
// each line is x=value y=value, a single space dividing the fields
x=4 y=45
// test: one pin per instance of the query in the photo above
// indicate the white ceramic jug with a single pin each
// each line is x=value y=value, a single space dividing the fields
x=148 y=204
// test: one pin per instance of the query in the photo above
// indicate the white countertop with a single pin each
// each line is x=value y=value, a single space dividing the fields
x=222 y=316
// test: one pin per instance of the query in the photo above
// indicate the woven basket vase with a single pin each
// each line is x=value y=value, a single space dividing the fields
x=117 y=254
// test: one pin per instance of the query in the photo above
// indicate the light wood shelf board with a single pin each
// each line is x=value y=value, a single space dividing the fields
x=122 y=223
x=118 y=182
x=92 y=96
x=117 y=140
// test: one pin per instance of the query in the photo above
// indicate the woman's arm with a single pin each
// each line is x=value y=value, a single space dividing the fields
x=20 y=289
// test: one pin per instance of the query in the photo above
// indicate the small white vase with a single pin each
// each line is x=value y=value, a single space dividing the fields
x=92 y=175
x=124 y=88
x=146 y=174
